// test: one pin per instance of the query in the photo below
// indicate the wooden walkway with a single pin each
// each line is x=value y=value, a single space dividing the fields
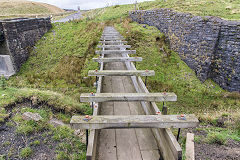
x=124 y=144
x=123 y=103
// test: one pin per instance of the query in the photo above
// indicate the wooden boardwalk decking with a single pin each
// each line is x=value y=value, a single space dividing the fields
x=122 y=93
x=124 y=144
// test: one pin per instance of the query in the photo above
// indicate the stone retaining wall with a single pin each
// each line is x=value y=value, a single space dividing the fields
x=20 y=35
x=209 y=45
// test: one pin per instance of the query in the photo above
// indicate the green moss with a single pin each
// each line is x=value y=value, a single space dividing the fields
x=36 y=143
x=26 y=152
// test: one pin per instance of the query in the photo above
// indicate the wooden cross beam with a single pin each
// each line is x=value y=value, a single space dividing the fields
x=111 y=38
x=112 y=42
x=134 y=121
x=110 y=97
x=112 y=34
x=121 y=73
x=118 y=59
x=114 y=46
x=116 y=52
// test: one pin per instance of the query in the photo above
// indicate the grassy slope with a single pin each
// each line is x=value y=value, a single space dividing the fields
x=58 y=64
x=226 y=9
x=52 y=77
x=14 y=7
x=23 y=8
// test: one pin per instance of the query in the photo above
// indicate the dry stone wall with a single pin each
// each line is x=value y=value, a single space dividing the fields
x=21 y=34
x=209 y=45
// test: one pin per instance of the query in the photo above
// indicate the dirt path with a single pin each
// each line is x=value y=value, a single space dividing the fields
x=74 y=16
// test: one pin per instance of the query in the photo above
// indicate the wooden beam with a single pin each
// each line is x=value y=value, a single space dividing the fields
x=121 y=73
x=118 y=59
x=113 y=42
x=114 y=46
x=133 y=121
x=116 y=52
x=111 y=38
x=106 y=97
x=190 y=147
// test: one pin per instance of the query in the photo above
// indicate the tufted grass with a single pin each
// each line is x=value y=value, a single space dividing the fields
x=226 y=9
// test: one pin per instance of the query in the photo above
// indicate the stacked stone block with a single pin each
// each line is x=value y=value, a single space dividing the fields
x=209 y=45
x=21 y=34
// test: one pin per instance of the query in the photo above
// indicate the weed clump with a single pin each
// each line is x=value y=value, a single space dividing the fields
x=216 y=138
x=26 y=152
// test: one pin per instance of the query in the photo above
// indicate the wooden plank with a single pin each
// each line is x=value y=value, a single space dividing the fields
x=150 y=154
x=112 y=38
x=118 y=59
x=108 y=97
x=116 y=52
x=190 y=147
x=107 y=139
x=114 y=46
x=121 y=73
x=126 y=139
x=113 y=42
x=134 y=121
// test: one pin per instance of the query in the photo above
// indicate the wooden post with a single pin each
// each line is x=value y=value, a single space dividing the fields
x=190 y=147
x=164 y=109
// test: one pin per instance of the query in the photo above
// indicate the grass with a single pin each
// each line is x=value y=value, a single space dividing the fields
x=26 y=152
x=226 y=9
x=206 y=100
x=23 y=8
x=55 y=71
x=66 y=144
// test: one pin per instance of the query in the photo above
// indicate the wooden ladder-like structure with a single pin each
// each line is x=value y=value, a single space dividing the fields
x=112 y=43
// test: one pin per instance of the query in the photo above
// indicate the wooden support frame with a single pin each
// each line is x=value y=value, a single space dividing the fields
x=116 y=52
x=121 y=73
x=118 y=59
x=126 y=97
x=134 y=121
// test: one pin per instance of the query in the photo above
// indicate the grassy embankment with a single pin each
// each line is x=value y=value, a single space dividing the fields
x=55 y=73
x=23 y=8
x=52 y=79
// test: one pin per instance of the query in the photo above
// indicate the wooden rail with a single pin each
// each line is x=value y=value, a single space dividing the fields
x=113 y=42
x=121 y=73
x=116 y=52
x=167 y=143
x=113 y=46
x=133 y=121
x=110 y=97
x=117 y=59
